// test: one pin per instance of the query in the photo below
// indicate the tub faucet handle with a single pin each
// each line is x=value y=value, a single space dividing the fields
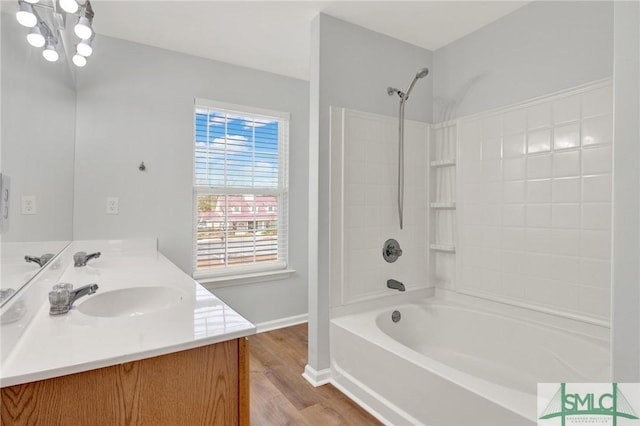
x=391 y=250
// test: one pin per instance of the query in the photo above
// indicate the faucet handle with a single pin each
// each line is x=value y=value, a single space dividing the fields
x=63 y=286
x=391 y=250
x=59 y=299
x=81 y=258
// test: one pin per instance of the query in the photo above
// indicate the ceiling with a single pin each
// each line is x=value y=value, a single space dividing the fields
x=274 y=36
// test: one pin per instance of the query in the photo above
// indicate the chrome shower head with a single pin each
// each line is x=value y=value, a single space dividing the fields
x=422 y=73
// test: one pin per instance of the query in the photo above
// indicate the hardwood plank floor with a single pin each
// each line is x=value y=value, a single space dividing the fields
x=281 y=396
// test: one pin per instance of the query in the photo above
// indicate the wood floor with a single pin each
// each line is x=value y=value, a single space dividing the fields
x=281 y=396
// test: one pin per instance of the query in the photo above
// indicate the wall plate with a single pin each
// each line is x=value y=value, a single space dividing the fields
x=5 y=197
x=29 y=205
x=112 y=205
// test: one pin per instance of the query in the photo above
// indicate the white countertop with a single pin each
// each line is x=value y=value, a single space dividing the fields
x=52 y=346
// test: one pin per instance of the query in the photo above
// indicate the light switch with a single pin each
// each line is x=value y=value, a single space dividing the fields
x=112 y=205
x=29 y=204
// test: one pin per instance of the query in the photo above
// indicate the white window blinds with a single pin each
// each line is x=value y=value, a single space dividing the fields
x=240 y=189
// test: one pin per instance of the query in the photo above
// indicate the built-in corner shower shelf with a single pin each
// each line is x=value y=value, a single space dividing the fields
x=447 y=248
x=446 y=205
x=443 y=163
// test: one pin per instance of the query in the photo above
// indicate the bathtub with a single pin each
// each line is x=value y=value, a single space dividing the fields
x=451 y=362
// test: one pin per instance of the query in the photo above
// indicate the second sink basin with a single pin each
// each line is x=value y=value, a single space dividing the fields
x=133 y=301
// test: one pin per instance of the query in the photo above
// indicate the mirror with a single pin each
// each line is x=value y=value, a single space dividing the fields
x=36 y=156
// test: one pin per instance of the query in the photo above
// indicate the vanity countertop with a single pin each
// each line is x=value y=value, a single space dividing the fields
x=52 y=346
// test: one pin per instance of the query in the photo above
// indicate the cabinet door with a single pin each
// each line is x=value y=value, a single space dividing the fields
x=199 y=386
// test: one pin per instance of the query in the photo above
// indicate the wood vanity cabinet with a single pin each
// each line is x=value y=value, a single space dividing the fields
x=208 y=385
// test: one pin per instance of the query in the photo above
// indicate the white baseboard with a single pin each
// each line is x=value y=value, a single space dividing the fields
x=315 y=377
x=281 y=323
x=366 y=407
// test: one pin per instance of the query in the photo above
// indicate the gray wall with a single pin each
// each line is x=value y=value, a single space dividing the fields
x=540 y=48
x=357 y=65
x=353 y=67
x=38 y=125
x=625 y=339
x=135 y=103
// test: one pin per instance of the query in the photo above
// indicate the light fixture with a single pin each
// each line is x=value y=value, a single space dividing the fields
x=50 y=53
x=84 y=48
x=48 y=20
x=79 y=60
x=83 y=28
x=26 y=16
x=69 y=6
x=35 y=37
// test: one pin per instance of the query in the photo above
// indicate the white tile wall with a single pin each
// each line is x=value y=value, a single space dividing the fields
x=534 y=203
x=370 y=216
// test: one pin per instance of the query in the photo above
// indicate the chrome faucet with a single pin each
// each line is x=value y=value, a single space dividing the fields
x=63 y=295
x=42 y=260
x=395 y=284
x=81 y=258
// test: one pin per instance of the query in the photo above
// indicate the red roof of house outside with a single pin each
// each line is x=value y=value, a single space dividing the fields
x=238 y=209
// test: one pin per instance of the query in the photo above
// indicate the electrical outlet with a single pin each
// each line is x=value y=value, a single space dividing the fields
x=29 y=204
x=112 y=205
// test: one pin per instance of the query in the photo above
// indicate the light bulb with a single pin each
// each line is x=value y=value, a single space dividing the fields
x=79 y=60
x=25 y=15
x=84 y=48
x=69 y=6
x=50 y=53
x=83 y=28
x=35 y=37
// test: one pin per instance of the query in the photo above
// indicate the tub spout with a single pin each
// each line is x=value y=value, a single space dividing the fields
x=395 y=284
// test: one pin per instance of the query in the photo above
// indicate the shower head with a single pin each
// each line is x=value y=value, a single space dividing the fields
x=420 y=74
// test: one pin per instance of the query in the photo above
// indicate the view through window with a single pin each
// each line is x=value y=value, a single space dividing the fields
x=240 y=189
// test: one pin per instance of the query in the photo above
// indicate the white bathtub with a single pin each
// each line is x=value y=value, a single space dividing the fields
x=448 y=363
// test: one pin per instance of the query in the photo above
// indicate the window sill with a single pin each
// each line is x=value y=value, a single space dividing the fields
x=211 y=283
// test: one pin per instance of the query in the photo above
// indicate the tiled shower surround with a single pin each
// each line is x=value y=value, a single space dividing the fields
x=534 y=203
x=366 y=145
x=513 y=205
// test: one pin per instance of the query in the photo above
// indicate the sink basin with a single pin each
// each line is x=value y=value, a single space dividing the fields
x=128 y=302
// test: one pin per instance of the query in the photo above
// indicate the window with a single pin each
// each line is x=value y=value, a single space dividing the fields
x=240 y=189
